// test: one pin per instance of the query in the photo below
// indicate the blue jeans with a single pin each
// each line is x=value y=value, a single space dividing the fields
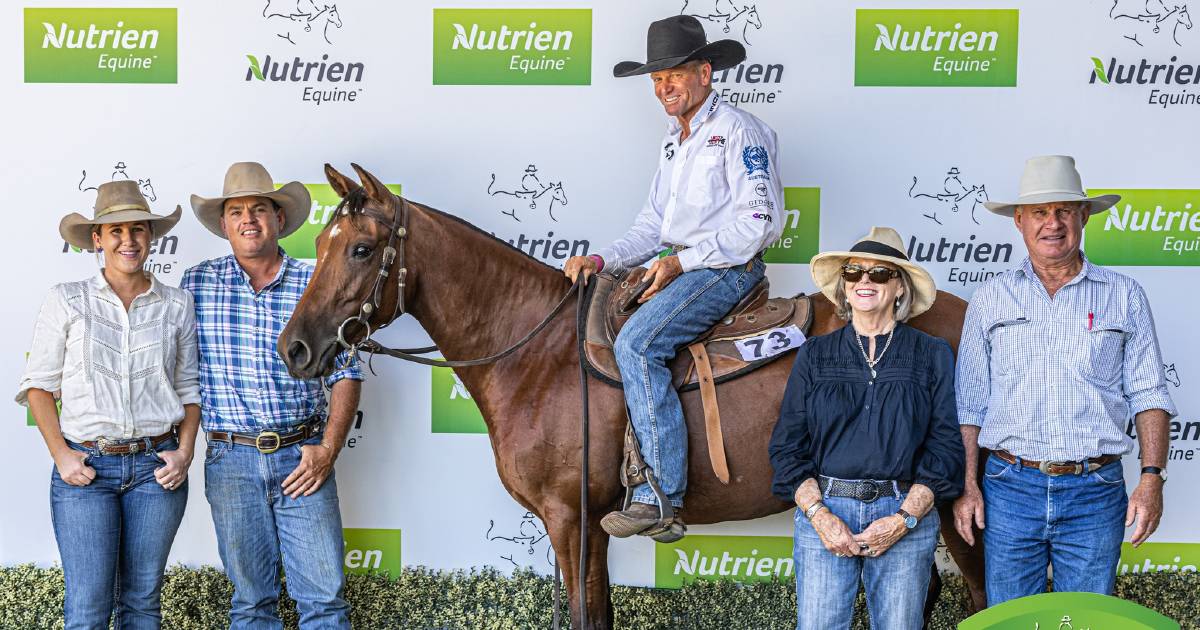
x=260 y=530
x=1074 y=523
x=680 y=313
x=113 y=536
x=896 y=582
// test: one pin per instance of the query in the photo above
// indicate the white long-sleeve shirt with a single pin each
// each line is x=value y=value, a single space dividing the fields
x=718 y=193
x=120 y=374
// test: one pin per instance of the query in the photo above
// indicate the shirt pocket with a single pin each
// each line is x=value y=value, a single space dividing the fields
x=1104 y=351
x=708 y=176
x=1010 y=348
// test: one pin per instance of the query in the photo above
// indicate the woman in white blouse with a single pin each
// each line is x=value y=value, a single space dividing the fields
x=119 y=353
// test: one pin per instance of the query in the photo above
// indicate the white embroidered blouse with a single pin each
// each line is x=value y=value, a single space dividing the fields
x=118 y=374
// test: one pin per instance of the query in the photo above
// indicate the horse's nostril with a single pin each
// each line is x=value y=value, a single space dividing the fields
x=299 y=353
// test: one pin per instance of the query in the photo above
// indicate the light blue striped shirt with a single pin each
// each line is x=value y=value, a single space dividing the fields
x=1057 y=379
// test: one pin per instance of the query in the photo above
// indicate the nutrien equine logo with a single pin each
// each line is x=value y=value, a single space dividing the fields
x=936 y=47
x=512 y=46
x=86 y=45
x=372 y=551
x=738 y=558
x=302 y=243
x=1146 y=228
x=801 y=227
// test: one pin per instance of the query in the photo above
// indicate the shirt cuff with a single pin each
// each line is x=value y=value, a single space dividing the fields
x=612 y=262
x=1157 y=398
x=971 y=418
x=689 y=259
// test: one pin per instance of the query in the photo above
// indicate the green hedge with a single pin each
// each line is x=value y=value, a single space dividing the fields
x=31 y=598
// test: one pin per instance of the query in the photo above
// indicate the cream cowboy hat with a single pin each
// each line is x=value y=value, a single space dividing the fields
x=883 y=244
x=251 y=179
x=1047 y=179
x=116 y=202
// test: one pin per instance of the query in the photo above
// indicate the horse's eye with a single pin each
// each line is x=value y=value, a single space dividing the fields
x=361 y=251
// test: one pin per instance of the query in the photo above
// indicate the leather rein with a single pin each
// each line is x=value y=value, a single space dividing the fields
x=393 y=254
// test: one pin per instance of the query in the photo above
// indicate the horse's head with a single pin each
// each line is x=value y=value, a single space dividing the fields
x=752 y=17
x=333 y=16
x=560 y=195
x=344 y=296
x=1184 y=17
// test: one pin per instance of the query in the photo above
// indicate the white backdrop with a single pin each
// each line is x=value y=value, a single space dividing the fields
x=917 y=157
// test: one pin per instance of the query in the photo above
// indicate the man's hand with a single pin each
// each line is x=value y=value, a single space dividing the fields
x=576 y=264
x=1145 y=507
x=880 y=535
x=968 y=510
x=174 y=469
x=662 y=272
x=834 y=534
x=316 y=462
x=72 y=469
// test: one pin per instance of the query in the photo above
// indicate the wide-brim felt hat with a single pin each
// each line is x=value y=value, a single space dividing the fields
x=1049 y=179
x=251 y=179
x=883 y=244
x=116 y=202
x=677 y=40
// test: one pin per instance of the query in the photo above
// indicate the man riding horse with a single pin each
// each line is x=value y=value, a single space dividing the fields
x=713 y=208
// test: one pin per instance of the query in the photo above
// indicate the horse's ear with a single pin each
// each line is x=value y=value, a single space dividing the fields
x=341 y=184
x=375 y=189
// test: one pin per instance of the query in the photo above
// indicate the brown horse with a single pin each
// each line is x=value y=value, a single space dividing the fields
x=476 y=295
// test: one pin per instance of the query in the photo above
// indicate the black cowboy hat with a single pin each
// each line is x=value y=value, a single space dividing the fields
x=677 y=40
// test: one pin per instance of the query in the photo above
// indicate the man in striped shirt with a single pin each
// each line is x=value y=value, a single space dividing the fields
x=1055 y=357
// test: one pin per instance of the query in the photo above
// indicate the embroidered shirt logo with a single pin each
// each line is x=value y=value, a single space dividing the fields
x=669 y=150
x=716 y=141
x=755 y=158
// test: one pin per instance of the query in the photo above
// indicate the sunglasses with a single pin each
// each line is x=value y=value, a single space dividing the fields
x=878 y=275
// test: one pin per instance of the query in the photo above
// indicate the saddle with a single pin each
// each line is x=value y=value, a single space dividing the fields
x=713 y=358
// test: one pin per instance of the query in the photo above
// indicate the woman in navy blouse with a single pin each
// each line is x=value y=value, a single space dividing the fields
x=867 y=441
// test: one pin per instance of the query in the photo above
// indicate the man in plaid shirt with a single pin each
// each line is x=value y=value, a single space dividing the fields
x=271 y=440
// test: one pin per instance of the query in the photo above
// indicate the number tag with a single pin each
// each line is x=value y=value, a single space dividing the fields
x=770 y=343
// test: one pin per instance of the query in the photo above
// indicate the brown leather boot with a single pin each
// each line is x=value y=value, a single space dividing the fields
x=625 y=523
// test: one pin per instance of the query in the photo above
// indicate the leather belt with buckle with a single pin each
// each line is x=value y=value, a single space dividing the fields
x=865 y=490
x=1055 y=469
x=106 y=446
x=269 y=441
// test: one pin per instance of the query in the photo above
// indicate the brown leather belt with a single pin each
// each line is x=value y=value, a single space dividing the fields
x=1055 y=469
x=269 y=441
x=127 y=447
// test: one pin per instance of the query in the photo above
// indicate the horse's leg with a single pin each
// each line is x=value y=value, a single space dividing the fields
x=935 y=591
x=564 y=528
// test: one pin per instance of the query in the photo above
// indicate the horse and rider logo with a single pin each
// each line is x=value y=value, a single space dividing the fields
x=727 y=14
x=533 y=191
x=954 y=196
x=119 y=172
x=297 y=17
x=530 y=535
x=1150 y=18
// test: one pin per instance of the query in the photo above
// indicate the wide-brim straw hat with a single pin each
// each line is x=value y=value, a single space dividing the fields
x=677 y=40
x=251 y=179
x=1049 y=179
x=116 y=202
x=883 y=244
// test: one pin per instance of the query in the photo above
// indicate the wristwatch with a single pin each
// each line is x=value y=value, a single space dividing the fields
x=1155 y=470
x=910 y=521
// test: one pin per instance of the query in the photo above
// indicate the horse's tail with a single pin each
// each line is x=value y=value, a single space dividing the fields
x=493 y=183
x=913 y=187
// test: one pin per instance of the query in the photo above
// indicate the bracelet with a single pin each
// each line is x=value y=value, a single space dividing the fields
x=814 y=508
x=599 y=262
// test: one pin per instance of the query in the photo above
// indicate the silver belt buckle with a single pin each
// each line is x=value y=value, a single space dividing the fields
x=1045 y=468
x=874 y=491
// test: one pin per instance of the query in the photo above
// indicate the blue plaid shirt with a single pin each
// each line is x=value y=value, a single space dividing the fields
x=1056 y=379
x=244 y=384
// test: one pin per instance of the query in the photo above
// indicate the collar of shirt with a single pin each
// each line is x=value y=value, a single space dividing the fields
x=232 y=273
x=706 y=111
x=1088 y=272
x=100 y=286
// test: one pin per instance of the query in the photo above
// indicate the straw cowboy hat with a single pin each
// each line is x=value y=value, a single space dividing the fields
x=883 y=244
x=116 y=202
x=1047 y=179
x=677 y=40
x=251 y=179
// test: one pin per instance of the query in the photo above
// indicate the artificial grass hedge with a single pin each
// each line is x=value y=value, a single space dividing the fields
x=31 y=598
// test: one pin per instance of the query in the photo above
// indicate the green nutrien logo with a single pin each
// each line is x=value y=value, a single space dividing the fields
x=1159 y=558
x=86 y=45
x=737 y=558
x=1146 y=228
x=372 y=551
x=936 y=47
x=801 y=227
x=1065 y=611
x=512 y=46
x=303 y=242
x=451 y=408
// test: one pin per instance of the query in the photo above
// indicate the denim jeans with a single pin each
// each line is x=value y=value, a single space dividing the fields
x=1074 y=523
x=680 y=313
x=113 y=536
x=261 y=530
x=896 y=582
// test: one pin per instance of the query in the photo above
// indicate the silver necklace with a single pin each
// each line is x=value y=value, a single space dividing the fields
x=871 y=364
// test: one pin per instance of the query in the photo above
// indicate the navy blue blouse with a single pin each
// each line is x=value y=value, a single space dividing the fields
x=838 y=421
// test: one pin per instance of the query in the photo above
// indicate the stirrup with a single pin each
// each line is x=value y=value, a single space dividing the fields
x=635 y=471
